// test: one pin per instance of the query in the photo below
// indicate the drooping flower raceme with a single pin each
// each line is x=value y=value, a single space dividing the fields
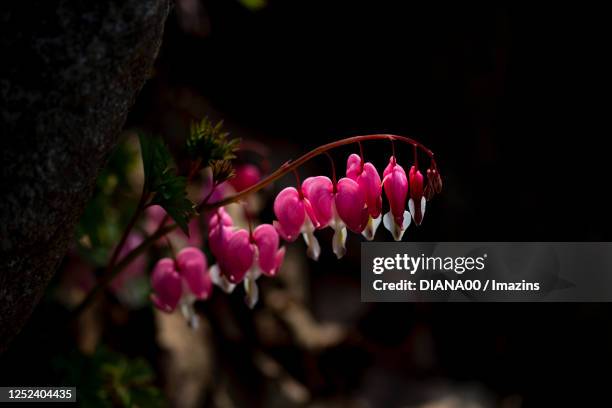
x=181 y=282
x=396 y=189
x=353 y=203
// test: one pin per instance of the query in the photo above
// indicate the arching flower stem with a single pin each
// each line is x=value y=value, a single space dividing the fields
x=292 y=165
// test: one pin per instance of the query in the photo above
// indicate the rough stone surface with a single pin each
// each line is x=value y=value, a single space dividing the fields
x=70 y=71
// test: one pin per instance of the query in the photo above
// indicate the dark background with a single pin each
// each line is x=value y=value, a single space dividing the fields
x=507 y=98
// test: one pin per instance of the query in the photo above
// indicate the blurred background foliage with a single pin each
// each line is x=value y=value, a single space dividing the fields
x=106 y=379
x=114 y=198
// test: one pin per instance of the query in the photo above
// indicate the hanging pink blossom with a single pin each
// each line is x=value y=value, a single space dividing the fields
x=396 y=189
x=416 y=203
x=295 y=215
x=246 y=176
x=185 y=279
x=366 y=175
x=351 y=204
x=319 y=190
x=269 y=256
x=167 y=285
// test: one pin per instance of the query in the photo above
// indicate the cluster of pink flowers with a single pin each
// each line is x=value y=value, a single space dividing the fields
x=353 y=203
x=242 y=255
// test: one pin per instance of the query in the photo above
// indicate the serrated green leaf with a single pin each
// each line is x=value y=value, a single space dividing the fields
x=172 y=196
x=223 y=170
x=208 y=143
x=169 y=190
x=156 y=160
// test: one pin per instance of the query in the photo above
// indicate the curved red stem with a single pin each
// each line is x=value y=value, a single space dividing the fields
x=292 y=165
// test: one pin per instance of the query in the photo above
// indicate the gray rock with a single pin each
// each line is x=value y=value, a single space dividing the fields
x=70 y=71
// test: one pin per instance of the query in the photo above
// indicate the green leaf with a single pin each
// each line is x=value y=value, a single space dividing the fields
x=156 y=160
x=223 y=170
x=208 y=143
x=108 y=378
x=169 y=190
x=171 y=194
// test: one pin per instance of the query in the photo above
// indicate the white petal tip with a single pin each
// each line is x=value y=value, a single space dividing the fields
x=396 y=230
x=370 y=231
x=423 y=204
x=220 y=280
x=367 y=235
x=252 y=293
x=407 y=220
x=314 y=249
x=339 y=242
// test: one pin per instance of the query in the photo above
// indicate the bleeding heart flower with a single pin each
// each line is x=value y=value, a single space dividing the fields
x=166 y=284
x=220 y=216
x=192 y=266
x=319 y=191
x=238 y=256
x=269 y=256
x=181 y=282
x=246 y=176
x=416 y=203
x=396 y=189
x=245 y=258
x=366 y=175
x=295 y=215
x=350 y=202
x=220 y=229
x=268 y=259
x=341 y=209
